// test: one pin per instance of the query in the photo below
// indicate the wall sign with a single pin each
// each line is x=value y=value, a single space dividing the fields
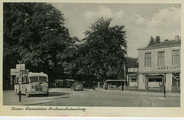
x=169 y=68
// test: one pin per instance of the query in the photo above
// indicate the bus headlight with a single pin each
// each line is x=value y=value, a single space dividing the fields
x=33 y=87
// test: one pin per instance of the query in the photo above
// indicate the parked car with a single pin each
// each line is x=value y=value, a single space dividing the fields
x=77 y=86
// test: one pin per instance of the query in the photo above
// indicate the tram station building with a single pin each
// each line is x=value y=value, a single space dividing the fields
x=159 y=65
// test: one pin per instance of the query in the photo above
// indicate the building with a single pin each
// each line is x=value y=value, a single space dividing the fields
x=132 y=78
x=158 y=63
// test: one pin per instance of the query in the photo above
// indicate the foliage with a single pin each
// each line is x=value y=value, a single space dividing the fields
x=131 y=62
x=104 y=48
x=34 y=33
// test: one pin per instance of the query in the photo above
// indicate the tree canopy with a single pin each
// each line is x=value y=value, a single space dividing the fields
x=34 y=33
x=104 y=49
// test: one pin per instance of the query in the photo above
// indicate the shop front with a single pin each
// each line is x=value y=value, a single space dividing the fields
x=154 y=81
x=176 y=82
x=132 y=81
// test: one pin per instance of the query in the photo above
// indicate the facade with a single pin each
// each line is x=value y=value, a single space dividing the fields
x=132 y=78
x=158 y=63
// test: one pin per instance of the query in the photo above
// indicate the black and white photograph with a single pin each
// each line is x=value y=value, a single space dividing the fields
x=91 y=59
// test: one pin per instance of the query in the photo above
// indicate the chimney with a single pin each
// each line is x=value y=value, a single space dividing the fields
x=177 y=37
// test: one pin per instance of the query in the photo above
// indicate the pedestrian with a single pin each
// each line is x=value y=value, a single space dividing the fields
x=93 y=85
x=106 y=86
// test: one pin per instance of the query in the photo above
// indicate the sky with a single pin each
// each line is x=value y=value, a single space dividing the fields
x=141 y=20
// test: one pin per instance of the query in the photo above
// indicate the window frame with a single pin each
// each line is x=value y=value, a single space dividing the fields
x=147 y=59
x=175 y=55
x=161 y=59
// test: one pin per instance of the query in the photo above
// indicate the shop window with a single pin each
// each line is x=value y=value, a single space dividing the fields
x=175 y=57
x=176 y=80
x=161 y=58
x=155 y=79
x=147 y=59
x=133 y=80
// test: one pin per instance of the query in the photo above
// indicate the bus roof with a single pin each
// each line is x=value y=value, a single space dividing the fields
x=70 y=79
x=37 y=74
x=58 y=80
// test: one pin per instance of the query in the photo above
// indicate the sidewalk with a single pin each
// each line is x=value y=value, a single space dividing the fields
x=143 y=92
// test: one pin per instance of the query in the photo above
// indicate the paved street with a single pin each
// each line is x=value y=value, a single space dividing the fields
x=99 y=97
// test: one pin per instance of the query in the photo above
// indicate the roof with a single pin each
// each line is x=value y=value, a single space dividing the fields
x=70 y=79
x=165 y=44
x=37 y=74
x=58 y=80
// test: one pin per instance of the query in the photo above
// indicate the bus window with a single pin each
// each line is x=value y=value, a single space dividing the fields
x=42 y=79
x=34 y=79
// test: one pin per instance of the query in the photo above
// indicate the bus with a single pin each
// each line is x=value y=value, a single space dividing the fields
x=32 y=83
x=69 y=82
x=59 y=83
x=114 y=84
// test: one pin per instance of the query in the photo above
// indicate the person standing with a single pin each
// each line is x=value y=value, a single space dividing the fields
x=94 y=85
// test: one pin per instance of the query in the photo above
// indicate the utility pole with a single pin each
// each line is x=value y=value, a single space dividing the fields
x=124 y=74
x=164 y=83
x=20 y=80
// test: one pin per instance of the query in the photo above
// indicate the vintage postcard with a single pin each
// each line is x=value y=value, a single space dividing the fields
x=113 y=58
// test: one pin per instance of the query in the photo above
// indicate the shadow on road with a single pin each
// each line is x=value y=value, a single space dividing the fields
x=57 y=94
x=51 y=94
x=79 y=90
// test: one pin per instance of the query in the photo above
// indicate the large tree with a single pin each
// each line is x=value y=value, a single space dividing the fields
x=34 y=33
x=104 y=48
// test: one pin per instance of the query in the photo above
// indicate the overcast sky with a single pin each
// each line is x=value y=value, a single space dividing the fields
x=141 y=20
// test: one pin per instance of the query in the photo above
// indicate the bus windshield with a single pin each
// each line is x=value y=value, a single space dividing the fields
x=42 y=79
x=34 y=79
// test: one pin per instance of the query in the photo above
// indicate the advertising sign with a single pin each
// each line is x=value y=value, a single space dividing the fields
x=14 y=71
x=20 y=66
